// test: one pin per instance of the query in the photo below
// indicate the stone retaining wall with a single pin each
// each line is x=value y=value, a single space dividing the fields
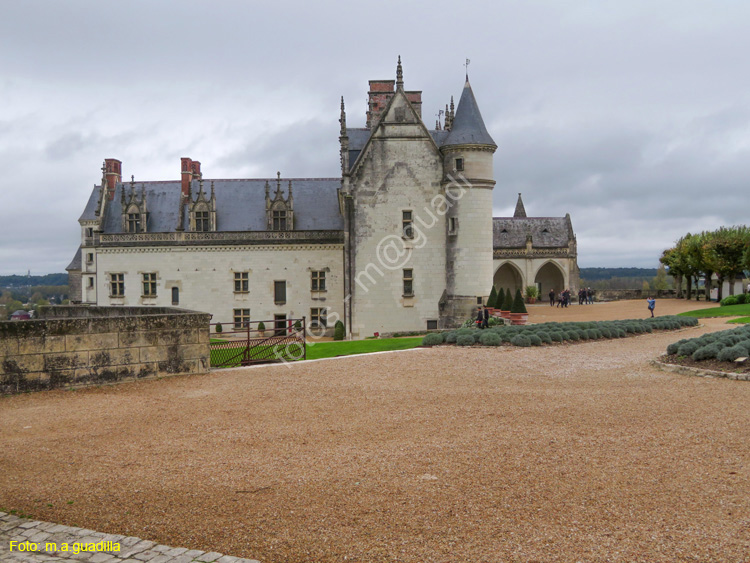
x=93 y=345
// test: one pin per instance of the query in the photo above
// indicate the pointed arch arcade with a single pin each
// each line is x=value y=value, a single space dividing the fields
x=508 y=276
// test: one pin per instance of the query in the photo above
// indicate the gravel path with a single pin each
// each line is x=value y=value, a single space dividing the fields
x=564 y=453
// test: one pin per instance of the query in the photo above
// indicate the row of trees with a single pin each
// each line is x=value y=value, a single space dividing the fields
x=724 y=252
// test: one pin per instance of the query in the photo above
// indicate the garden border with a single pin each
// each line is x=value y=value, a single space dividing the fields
x=697 y=372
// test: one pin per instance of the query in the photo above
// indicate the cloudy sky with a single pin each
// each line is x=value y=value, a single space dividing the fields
x=633 y=116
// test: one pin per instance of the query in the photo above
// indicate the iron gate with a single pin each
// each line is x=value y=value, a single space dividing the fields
x=246 y=343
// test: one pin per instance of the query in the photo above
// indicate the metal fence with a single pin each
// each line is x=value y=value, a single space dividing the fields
x=253 y=342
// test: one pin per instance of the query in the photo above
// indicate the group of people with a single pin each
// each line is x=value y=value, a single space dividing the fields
x=483 y=317
x=562 y=299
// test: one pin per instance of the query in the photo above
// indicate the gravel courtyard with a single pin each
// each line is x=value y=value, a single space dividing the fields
x=563 y=453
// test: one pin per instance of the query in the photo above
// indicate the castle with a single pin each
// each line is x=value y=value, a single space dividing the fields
x=404 y=240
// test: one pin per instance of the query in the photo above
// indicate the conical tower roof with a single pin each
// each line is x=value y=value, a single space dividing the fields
x=468 y=126
x=520 y=209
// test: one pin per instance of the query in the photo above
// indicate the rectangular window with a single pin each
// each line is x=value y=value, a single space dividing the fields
x=318 y=280
x=479 y=300
x=408 y=283
x=90 y=232
x=202 y=223
x=134 y=223
x=279 y=220
x=117 y=285
x=241 y=318
x=149 y=285
x=432 y=325
x=241 y=282
x=318 y=317
x=459 y=165
x=89 y=257
x=175 y=296
x=452 y=225
x=279 y=292
x=90 y=283
x=407 y=224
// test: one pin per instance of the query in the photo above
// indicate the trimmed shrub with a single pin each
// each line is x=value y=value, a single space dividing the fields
x=593 y=334
x=508 y=303
x=605 y=332
x=572 y=335
x=556 y=336
x=730 y=354
x=741 y=298
x=688 y=348
x=582 y=334
x=707 y=352
x=339 y=330
x=450 y=337
x=518 y=304
x=500 y=301
x=520 y=340
x=535 y=340
x=490 y=339
x=432 y=339
x=545 y=336
x=492 y=299
x=261 y=326
x=729 y=300
x=672 y=348
x=465 y=340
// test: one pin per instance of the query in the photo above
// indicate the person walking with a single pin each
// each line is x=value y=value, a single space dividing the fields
x=589 y=296
x=480 y=317
x=552 y=297
x=651 y=304
x=485 y=317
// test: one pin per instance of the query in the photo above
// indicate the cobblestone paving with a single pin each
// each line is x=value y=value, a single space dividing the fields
x=132 y=549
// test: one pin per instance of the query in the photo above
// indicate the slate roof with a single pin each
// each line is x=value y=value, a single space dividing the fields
x=77 y=262
x=468 y=126
x=546 y=232
x=240 y=204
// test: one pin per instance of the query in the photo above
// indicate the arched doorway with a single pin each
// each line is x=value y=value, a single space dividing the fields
x=508 y=276
x=549 y=276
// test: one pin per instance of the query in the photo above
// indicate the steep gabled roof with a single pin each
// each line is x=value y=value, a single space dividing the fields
x=468 y=126
x=546 y=232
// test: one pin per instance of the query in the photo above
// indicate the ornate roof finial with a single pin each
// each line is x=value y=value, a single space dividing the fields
x=399 y=75
x=466 y=64
x=342 y=119
x=278 y=182
x=132 y=178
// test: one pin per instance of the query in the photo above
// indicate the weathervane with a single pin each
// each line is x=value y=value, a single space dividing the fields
x=466 y=64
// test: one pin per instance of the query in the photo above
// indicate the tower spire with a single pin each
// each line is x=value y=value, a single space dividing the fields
x=399 y=75
x=520 y=209
x=342 y=119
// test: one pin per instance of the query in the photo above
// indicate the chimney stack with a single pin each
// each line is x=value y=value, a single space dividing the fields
x=381 y=91
x=188 y=170
x=112 y=175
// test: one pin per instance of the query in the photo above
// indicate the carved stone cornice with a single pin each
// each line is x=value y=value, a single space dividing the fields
x=220 y=238
x=532 y=253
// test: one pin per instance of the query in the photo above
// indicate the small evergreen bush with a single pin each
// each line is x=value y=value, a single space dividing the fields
x=730 y=354
x=545 y=336
x=534 y=339
x=500 y=301
x=219 y=328
x=490 y=339
x=520 y=340
x=450 y=337
x=556 y=336
x=508 y=303
x=707 y=352
x=729 y=300
x=339 y=331
x=492 y=299
x=261 y=326
x=465 y=340
x=518 y=305
x=672 y=348
x=572 y=335
x=432 y=339
x=688 y=348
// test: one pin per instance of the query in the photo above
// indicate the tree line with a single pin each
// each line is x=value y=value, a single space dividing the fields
x=724 y=252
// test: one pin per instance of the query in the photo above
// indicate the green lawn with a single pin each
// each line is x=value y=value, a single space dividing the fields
x=741 y=320
x=348 y=348
x=728 y=311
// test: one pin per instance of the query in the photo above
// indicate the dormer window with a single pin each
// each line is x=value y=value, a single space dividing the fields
x=203 y=211
x=134 y=222
x=279 y=220
x=279 y=210
x=202 y=221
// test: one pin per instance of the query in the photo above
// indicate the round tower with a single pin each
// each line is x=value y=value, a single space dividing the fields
x=468 y=181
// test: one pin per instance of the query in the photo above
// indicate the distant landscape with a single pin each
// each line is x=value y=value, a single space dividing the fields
x=29 y=292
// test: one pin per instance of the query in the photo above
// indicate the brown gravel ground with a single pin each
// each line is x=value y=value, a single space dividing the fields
x=564 y=453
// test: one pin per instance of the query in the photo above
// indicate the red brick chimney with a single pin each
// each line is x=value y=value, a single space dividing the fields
x=112 y=175
x=415 y=97
x=187 y=173
x=381 y=91
x=196 y=170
